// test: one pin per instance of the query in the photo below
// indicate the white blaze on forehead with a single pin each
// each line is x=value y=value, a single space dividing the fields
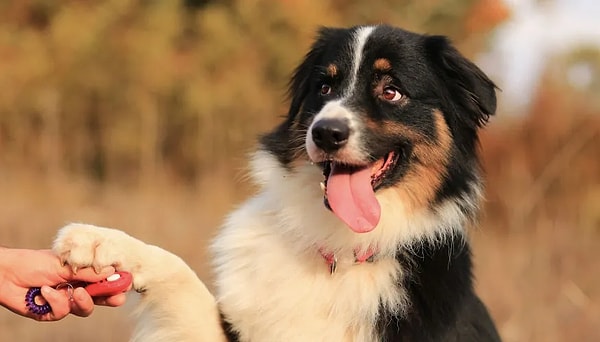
x=353 y=152
x=357 y=48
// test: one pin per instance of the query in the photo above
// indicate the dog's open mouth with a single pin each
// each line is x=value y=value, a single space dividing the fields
x=349 y=191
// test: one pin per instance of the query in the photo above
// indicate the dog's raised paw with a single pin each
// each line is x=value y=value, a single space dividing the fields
x=83 y=245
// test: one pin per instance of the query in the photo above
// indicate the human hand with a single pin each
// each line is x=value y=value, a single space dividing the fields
x=21 y=269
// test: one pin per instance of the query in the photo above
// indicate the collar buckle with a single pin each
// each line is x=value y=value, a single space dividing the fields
x=359 y=258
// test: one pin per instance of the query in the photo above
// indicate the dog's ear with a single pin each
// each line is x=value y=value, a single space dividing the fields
x=468 y=86
x=299 y=85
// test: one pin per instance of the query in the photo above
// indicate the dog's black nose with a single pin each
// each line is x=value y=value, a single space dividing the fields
x=330 y=134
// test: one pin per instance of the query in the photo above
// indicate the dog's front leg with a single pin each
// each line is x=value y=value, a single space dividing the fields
x=175 y=304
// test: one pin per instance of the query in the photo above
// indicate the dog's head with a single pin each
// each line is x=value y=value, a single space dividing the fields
x=381 y=109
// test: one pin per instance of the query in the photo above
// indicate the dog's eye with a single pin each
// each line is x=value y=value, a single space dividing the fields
x=325 y=89
x=391 y=94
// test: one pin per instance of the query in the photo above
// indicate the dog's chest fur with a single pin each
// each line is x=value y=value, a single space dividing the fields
x=273 y=285
x=273 y=292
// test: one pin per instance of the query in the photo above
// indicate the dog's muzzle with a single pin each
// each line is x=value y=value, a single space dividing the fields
x=330 y=135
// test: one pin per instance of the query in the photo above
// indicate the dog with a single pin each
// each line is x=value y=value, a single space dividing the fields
x=359 y=229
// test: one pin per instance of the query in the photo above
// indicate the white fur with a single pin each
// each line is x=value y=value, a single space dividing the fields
x=360 y=39
x=272 y=283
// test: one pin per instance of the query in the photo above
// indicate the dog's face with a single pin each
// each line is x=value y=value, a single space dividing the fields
x=381 y=109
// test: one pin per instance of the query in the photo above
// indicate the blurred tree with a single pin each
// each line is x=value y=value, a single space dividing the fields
x=581 y=69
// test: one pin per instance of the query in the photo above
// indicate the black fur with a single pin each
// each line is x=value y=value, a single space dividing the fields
x=230 y=334
x=444 y=305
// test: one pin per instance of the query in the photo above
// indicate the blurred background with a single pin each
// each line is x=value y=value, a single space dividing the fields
x=140 y=114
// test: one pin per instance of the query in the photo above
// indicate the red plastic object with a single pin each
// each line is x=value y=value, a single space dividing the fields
x=117 y=283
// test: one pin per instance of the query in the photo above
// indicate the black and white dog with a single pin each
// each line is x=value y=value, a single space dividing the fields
x=359 y=229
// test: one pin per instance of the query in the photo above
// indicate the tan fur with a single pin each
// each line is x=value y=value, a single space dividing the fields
x=382 y=64
x=332 y=70
x=425 y=176
x=418 y=187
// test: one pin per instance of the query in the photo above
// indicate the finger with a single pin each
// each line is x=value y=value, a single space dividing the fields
x=58 y=302
x=89 y=275
x=116 y=300
x=82 y=304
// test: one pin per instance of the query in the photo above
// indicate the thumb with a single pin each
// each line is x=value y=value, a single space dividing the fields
x=58 y=302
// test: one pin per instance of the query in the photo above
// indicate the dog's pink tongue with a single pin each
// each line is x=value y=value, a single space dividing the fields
x=352 y=199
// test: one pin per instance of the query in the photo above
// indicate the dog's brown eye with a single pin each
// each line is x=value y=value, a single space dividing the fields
x=391 y=94
x=325 y=89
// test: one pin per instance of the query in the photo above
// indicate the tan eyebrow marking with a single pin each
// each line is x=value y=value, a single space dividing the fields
x=382 y=64
x=332 y=70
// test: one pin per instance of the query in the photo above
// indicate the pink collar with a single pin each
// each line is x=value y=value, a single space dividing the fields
x=359 y=258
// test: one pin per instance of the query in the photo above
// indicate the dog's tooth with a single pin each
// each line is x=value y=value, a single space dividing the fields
x=323 y=187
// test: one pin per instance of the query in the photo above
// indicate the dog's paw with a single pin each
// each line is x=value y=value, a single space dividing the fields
x=82 y=245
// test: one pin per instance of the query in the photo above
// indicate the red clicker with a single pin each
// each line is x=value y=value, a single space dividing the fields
x=114 y=284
